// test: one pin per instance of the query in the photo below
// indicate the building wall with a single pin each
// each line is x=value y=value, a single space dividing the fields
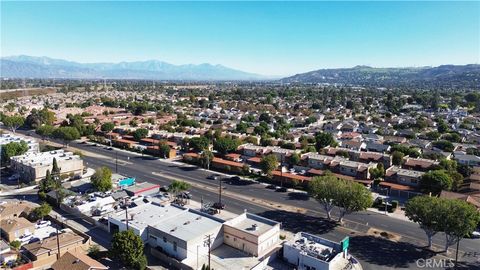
x=37 y=173
x=17 y=233
x=182 y=250
x=293 y=256
x=241 y=240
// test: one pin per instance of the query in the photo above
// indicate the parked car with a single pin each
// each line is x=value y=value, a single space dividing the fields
x=213 y=177
x=271 y=186
x=25 y=238
x=164 y=188
x=235 y=178
x=475 y=234
x=212 y=211
x=184 y=195
x=281 y=189
x=218 y=205
x=42 y=224
x=33 y=240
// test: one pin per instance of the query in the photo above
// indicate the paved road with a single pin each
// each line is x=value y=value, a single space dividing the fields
x=247 y=195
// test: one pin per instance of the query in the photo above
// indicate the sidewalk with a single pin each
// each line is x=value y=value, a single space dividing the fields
x=398 y=214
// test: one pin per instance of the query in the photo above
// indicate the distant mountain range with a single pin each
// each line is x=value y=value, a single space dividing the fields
x=24 y=66
x=441 y=76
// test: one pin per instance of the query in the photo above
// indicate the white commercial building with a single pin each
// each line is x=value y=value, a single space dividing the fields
x=8 y=138
x=179 y=232
x=310 y=252
x=34 y=166
x=252 y=234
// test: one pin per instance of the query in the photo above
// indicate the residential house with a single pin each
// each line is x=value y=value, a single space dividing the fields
x=12 y=228
x=74 y=260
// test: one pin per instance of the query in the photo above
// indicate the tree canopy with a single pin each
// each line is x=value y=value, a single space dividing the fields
x=102 y=179
x=12 y=149
x=13 y=122
x=268 y=164
x=225 y=145
x=128 y=248
x=435 y=181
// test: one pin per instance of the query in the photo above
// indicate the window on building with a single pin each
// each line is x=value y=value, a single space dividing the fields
x=174 y=246
x=164 y=239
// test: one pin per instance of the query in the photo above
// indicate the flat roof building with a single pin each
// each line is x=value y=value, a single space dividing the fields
x=8 y=138
x=34 y=166
x=252 y=234
x=307 y=251
x=177 y=231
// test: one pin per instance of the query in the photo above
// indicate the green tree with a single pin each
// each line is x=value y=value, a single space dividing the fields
x=102 y=179
x=268 y=164
x=45 y=131
x=397 y=158
x=457 y=220
x=353 y=197
x=323 y=140
x=67 y=134
x=163 y=149
x=127 y=247
x=38 y=118
x=42 y=211
x=377 y=172
x=12 y=149
x=140 y=133
x=13 y=122
x=225 y=145
x=444 y=145
x=425 y=211
x=107 y=127
x=295 y=159
x=206 y=158
x=199 y=144
x=435 y=181
x=326 y=190
x=15 y=244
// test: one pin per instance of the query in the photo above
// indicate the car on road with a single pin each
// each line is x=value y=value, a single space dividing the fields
x=212 y=211
x=271 y=186
x=281 y=189
x=235 y=178
x=184 y=195
x=475 y=234
x=25 y=238
x=33 y=240
x=42 y=224
x=213 y=177
x=109 y=148
x=219 y=205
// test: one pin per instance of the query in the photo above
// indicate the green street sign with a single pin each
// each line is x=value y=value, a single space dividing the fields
x=345 y=243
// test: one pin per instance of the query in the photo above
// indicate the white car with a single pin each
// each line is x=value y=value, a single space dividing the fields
x=42 y=223
x=476 y=234
x=25 y=238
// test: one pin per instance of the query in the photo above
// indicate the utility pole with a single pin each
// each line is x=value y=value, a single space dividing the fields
x=207 y=242
x=58 y=240
x=126 y=212
x=220 y=191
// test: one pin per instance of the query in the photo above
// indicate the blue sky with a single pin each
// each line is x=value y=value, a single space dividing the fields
x=271 y=38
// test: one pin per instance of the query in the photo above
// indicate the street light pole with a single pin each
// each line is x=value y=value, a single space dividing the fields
x=456 y=254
